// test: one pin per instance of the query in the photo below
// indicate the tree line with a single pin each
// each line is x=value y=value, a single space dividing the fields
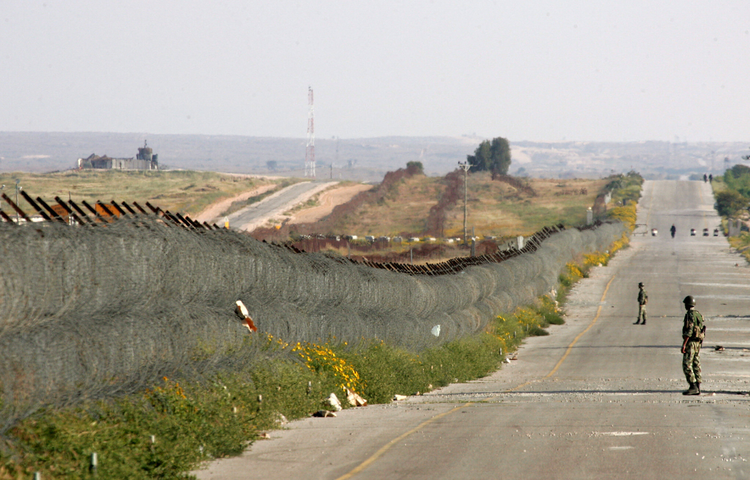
x=491 y=156
x=736 y=198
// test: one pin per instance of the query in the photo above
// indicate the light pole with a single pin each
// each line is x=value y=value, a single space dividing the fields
x=465 y=166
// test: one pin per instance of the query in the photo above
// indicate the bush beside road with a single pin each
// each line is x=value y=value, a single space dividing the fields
x=195 y=421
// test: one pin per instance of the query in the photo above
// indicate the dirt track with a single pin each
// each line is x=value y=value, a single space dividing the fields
x=328 y=201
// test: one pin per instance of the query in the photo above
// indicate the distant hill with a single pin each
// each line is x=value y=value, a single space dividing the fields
x=366 y=159
x=651 y=159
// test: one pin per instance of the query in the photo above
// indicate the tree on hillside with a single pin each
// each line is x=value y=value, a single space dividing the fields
x=415 y=168
x=491 y=156
x=480 y=161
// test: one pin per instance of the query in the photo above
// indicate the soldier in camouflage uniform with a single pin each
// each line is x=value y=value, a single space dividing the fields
x=642 y=301
x=693 y=333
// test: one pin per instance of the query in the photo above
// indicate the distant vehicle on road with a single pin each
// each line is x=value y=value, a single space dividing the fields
x=716 y=232
x=692 y=232
x=654 y=232
x=705 y=232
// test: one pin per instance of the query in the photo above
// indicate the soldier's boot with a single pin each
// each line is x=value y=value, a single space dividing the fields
x=644 y=322
x=637 y=321
x=698 y=387
x=693 y=390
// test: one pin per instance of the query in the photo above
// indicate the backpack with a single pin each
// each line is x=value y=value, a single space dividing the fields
x=699 y=333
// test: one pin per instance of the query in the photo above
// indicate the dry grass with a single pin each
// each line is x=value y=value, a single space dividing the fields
x=495 y=208
x=404 y=209
x=322 y=204
x=498 y=209
x=178 y=191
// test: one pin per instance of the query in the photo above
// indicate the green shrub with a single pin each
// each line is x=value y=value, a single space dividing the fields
x=195 y=421
x=731 y=202
x=538 y=332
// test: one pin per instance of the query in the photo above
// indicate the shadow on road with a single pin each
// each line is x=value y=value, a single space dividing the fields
x=610 y=347
x=610 y=392
x=581 y=391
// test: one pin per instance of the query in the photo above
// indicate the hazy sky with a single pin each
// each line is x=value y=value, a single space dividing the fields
x=543 y=70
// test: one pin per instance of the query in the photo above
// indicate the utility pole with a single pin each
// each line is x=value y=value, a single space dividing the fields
x=336 y=158
x=465 y=167
x=310 y=149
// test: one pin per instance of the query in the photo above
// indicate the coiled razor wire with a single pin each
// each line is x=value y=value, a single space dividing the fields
x=101 y=310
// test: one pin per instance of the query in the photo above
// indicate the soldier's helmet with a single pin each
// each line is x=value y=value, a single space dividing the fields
x=640 y=284
x=689 y=301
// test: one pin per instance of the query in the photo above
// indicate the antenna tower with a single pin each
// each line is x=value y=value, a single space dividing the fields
x=310 y=151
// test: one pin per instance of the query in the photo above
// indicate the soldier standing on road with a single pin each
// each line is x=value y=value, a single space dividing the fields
x=693 y=333
x=642 y=301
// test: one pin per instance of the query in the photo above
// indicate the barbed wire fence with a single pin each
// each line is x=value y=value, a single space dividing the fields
x=99 y=310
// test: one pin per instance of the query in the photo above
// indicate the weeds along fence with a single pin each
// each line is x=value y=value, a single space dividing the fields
x=97 y=310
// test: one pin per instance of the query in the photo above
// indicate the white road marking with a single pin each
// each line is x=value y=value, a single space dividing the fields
x=730 y=329
x=724 y=297
x=738 y=285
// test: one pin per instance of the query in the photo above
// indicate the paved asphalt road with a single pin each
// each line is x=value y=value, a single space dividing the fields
x=256 y=214
x=598 y=398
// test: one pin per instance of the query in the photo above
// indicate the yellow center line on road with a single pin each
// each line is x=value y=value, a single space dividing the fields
x=575 y=340
x=393 y=442
x=388 y=445
x=570 y=347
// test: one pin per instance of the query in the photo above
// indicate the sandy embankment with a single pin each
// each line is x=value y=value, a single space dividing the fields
x=327 y=202
x=212 y=213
